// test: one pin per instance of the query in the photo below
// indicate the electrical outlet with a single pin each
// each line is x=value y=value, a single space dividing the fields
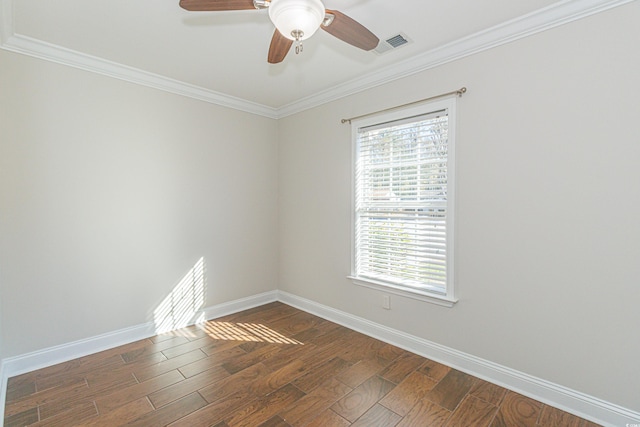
x=386 y=302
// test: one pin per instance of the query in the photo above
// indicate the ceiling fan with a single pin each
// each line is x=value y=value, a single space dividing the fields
x=295 y=21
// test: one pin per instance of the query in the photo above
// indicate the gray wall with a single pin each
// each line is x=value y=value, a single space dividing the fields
x=547 y=233
x=111 y=192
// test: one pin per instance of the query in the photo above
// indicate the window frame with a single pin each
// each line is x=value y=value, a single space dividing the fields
x=448 y=298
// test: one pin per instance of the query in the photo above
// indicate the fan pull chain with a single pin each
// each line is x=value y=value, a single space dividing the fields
x=297 y=34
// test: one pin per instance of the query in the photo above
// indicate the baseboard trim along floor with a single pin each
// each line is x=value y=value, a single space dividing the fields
x=572 y=401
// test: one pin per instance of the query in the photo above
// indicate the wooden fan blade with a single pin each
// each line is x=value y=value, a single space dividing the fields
x=280 y=46
x=350 y=31
x=216 y=5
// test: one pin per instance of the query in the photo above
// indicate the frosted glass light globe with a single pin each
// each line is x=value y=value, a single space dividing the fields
x=293 y=16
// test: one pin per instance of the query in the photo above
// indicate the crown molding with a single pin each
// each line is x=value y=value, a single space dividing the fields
x=541 y=20
x=50 y=52
x=552 y=16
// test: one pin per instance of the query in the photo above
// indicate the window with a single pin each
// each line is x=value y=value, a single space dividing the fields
x=403 y=202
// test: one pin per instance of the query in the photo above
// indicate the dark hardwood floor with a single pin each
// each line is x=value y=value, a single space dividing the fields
x=271 y=366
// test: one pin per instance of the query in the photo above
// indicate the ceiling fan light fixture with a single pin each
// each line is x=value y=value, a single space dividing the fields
x=296 y=19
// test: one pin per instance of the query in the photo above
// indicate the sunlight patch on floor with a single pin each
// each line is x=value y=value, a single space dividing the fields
x=255 y=332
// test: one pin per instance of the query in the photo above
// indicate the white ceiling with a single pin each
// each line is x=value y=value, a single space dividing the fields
x=221 y=56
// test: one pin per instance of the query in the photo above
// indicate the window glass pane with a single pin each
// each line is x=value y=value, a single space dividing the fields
x=401 y=202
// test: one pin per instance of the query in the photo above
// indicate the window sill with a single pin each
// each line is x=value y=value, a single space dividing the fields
x=425 y=296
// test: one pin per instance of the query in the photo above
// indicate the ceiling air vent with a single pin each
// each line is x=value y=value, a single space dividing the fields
x=393 y=42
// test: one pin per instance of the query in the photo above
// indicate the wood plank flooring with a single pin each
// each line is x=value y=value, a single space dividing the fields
x=270 y=366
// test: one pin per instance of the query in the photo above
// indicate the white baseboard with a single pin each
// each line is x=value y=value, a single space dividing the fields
x=574 y=402
x=39 y=359
x=240 y=305
x=577 y=403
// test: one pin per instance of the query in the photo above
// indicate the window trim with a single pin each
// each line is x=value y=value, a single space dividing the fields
x=447 y=299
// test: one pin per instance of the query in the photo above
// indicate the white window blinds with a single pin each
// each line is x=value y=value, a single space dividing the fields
x=401 y=202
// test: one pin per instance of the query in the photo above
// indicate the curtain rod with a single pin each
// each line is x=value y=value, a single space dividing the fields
x=458 y=92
